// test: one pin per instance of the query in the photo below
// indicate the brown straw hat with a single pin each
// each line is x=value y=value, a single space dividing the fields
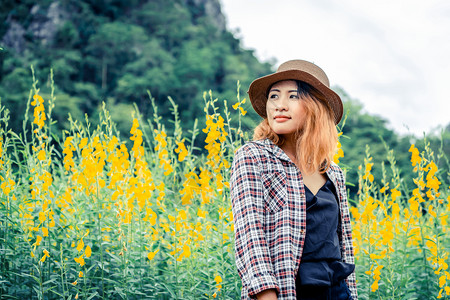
x=295 y=70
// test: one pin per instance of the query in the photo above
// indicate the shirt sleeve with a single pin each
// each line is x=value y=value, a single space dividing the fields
x=348 y=254
x=252 y=252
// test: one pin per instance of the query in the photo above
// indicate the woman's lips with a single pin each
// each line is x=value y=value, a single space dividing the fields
x=281 y=119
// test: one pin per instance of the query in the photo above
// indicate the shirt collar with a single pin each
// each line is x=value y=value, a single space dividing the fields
x=274 y=149
x=279 y=153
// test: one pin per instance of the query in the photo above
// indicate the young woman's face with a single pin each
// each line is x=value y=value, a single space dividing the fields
x=285 y=108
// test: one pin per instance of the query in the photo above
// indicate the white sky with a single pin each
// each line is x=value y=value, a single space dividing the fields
x=392 y=55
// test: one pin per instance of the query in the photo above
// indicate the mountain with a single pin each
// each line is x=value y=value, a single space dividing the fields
x=114 y=51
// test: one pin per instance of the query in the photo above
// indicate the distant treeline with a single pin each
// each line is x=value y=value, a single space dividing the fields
x=116 y=51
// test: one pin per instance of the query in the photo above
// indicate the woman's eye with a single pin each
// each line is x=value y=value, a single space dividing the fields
x=294 y=96
x=273 y=96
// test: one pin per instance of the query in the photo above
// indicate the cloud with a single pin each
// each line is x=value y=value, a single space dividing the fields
x=391 y=55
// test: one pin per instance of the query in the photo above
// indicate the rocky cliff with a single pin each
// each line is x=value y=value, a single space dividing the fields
x=46 y=21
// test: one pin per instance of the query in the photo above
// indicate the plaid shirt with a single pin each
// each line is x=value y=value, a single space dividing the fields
x=269 y=209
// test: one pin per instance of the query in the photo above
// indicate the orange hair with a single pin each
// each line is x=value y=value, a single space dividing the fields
x=316 y=141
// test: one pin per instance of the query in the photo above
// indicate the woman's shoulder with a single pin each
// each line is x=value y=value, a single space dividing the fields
x=257 y=147
x=258 y=150
x=335 y=168
x=337 y=172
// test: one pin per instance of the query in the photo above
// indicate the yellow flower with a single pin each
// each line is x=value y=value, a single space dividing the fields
x=38 y=240
x=384 y=188
x=80 y=274
x=431 y=211
x=396 y=210
x=182 y=214
x=394 y=194
x=432 y=247
x=367 y=174
x=201 y=213
x=374 y=286
x=167 y=167
x=151 y=216
x=190 y=188
x=413 y=205
x=355 y=213
x=161 y=139
x=218 y=279
x=151 y=255
x=415 y=156
x=377 y=277
x=238 y=104
x=83 y=143
x=374 y=256
x=80 y=245
x=181 y=150
x=443 y=217
x=80 y=260
x=138 y=150
x=39 y=111
x=186 y=251
x=88 y=251
x=442 y=280
x=339 y=152
x=46 y=254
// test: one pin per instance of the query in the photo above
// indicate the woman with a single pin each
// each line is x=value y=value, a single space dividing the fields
x=292 y=223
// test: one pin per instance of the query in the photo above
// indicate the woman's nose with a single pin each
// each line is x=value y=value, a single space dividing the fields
x=281 y=104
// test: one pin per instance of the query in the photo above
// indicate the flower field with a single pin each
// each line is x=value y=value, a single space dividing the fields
x=92 y=216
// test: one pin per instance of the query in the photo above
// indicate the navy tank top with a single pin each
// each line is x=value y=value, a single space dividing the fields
x=321 y=263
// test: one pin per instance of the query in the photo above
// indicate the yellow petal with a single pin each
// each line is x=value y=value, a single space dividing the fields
x=80 y=245
x=41 y=155
x=218 y=279
x=88 y=251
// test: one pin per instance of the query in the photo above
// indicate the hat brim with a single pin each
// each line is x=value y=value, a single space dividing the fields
x=259 y=88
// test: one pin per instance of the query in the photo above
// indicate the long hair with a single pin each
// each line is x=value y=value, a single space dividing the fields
x=316 y=141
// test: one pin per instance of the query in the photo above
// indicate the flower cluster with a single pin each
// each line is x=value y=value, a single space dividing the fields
x=163 y=153
x=388 y=225
x=427 y=197
x=39 y=111
x=86 y=216
x=339 y=152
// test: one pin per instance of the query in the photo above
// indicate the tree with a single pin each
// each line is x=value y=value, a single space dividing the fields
x=154 y=70
x=111 y=48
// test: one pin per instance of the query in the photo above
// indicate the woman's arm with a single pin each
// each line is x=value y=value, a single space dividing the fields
x=347 y=241
x=253 y=260
x=267 y=295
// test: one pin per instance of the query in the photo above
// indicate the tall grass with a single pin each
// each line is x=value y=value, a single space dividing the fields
x=92 y=216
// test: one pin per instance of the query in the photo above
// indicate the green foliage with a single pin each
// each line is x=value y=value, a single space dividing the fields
x=117 y=51
x=95 y=216
x=361 y=129
x=121 y=49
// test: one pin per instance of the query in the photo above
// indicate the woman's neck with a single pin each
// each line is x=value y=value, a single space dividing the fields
x=312 y=180
x=290 y=148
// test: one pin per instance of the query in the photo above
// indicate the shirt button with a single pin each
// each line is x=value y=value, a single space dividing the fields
x=302 y=231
